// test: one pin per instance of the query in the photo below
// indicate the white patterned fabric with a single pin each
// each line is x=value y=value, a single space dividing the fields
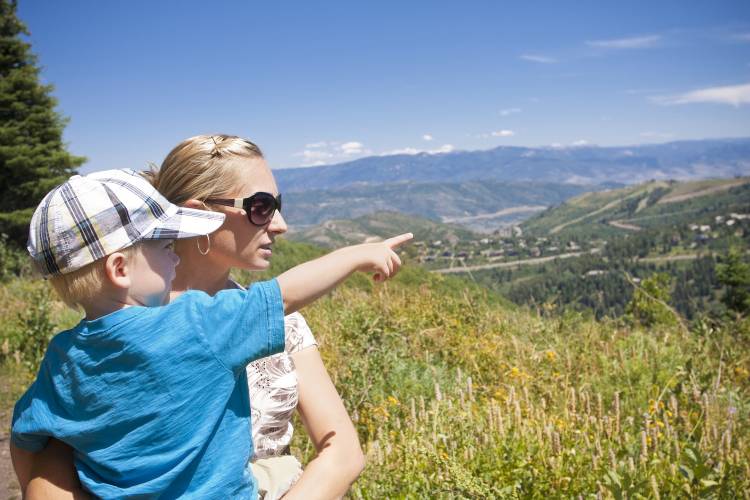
x=273 y=391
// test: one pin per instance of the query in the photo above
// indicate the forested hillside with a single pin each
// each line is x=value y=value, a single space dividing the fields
x=485 y=205
x=590 y=252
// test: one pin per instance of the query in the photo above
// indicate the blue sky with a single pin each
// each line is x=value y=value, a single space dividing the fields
x=325 y=82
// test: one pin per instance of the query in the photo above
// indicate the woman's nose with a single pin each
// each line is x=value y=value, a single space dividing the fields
x=278 y=224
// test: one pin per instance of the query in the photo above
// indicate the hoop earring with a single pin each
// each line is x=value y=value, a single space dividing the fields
x=198 y=244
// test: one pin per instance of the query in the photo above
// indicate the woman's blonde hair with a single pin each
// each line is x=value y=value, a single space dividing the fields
x=202 y=167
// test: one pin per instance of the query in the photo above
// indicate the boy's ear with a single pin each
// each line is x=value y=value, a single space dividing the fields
x=196 y=204
x=117 y=270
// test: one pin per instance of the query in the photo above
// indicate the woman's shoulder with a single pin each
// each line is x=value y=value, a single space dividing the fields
x=298 y=333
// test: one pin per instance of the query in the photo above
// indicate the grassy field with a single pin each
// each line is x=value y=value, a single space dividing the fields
x=457 y=394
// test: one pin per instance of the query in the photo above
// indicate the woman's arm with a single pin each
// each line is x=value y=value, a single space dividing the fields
x=49 y=474
x=23 y=461
x=340 y=459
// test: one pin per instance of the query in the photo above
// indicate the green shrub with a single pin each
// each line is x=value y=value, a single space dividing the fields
x=13 y=261
x=650 y=303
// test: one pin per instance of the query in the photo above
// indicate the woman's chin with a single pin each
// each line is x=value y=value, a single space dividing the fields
x=261 y=263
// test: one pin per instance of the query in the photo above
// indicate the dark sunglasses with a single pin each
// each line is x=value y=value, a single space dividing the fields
x=260 y=207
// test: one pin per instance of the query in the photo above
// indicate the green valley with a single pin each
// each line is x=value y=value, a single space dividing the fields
x=589 y=252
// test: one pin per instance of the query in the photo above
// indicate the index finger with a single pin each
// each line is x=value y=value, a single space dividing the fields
x=399 y=240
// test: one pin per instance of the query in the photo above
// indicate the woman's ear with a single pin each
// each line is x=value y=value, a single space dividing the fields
x=117 y=270
x=196 y=204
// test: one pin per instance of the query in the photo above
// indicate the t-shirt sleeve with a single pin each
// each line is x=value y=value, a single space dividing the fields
x=298 y=333
x=241 y=326
x=30 y=430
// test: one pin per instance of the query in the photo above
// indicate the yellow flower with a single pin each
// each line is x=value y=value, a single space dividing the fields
x=379 y=410
x=393 y=401
x=550 y=355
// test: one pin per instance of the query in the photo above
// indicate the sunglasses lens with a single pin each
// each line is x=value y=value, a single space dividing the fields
x=261 y=208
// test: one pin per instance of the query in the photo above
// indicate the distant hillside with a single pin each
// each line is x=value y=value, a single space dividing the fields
x=486 y=205
x=650 y=205
x=335 y=233
x=572 y=165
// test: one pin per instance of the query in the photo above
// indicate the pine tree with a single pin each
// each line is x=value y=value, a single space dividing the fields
x=734 y=273
x=33 y=157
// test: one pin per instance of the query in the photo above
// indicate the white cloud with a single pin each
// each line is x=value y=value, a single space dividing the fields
x=538 y=58
x=427 y=137
x=509 y=111
x=352 y=148
x=636 y=42
x=734 y=95
x=575 y=144
x=314 y=157
x=328 y=152
x=309 y=155
x=496 y=133
x=403 y=151
x=445 y=148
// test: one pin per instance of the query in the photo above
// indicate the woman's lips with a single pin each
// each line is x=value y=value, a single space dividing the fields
x=266 y=251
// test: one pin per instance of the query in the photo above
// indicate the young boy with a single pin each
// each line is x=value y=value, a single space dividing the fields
x=149 y=409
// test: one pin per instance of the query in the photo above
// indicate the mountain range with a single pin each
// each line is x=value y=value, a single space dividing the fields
x=490 y=190
x=584 y=165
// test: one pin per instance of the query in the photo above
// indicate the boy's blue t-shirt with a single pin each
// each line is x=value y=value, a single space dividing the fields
x=154 y=401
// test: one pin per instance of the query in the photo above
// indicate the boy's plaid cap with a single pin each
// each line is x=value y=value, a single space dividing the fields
x=89 y=217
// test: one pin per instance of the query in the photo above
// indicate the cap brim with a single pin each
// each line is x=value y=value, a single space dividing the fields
x=186 y=223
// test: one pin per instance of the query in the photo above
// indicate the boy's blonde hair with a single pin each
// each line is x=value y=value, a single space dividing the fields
x=202 y=167
x=84 y=284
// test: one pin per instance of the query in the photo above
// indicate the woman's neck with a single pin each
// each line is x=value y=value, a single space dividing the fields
x=198 y=272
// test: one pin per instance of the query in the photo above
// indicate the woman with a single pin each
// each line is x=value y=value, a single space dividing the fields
x=211 y=172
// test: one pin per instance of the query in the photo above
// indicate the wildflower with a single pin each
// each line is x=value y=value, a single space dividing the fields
x=393 y=401
x=550 y=355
